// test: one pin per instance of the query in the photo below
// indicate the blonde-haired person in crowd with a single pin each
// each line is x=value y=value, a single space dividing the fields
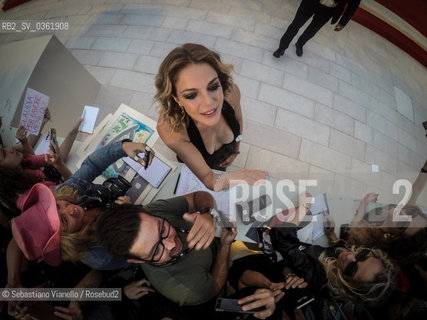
x=358 y=274
x=200 y=114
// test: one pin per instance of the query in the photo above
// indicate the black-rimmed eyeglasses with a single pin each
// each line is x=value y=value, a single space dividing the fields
x=159 y=248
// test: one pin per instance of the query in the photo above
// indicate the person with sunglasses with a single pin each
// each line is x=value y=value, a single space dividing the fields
x=358 y=274
x=172 y=239
x=400 y=233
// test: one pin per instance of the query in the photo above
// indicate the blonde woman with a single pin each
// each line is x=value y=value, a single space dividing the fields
x=200 y=114
x=358 y=274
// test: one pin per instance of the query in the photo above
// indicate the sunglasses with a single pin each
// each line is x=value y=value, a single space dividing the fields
x=351 y=269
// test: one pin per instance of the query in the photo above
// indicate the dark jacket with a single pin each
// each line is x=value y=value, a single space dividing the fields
x=304 y=263
x=347 y=14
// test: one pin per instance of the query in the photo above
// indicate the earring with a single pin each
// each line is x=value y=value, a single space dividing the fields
x=388 y=236
x=182 y=112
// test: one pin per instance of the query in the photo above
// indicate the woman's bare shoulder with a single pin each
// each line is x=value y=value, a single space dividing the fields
x=168 y=134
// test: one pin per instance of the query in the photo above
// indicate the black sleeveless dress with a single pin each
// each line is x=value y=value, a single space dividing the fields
x=213 y=160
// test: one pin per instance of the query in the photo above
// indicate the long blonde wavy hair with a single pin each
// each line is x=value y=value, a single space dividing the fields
x=73 y=245
x=369 y=293
x=176 y=60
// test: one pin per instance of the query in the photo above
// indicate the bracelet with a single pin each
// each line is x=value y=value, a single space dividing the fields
x=290 y=275
x=205 y=210
x=216 y=181
x=126 y=140
x=217 y=178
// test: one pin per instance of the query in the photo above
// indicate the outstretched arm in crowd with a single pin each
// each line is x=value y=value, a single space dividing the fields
x=32 y=139
x=220 y=266
x=361 y=210
x=54 y=159
x=418 y=185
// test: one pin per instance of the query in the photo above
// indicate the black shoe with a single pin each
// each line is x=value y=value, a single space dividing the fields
x=299 y=50
x=278 y=53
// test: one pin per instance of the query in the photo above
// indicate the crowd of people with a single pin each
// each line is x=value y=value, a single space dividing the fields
x=58 y=232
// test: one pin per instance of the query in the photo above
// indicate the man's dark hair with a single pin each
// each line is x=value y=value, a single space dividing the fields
x=117 y=229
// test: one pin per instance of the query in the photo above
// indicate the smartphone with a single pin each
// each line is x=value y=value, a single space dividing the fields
x=298 y=298
x=231 y=305
x=224 y=220
x=246 y=210
x=52 y=138
x=264 y=239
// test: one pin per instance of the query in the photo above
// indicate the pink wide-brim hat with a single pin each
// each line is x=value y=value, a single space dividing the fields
x=37 y=229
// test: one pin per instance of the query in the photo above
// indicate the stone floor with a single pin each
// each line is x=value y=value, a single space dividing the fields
x=351 y=101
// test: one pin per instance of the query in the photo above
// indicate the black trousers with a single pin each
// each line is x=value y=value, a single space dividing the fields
x=306 y=10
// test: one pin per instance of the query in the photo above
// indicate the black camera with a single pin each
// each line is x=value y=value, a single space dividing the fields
x=112 y=189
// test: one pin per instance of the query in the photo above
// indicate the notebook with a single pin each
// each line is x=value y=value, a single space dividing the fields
x=155 y=173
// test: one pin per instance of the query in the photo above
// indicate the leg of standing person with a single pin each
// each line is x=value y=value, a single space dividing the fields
x=321 y=16
x=305 y=10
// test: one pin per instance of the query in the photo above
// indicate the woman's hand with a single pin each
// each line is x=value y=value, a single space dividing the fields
x=21 y=135
x=276 y=288
x=46 y=118
x=370 y=197
x=261 y=298
x=53 y=157
x=132 y=149
x=293 y=281
x=138 y=289
x=203 y=230
x=73 y=312
x=249 y=176
x=329 y=227
x=227 y=162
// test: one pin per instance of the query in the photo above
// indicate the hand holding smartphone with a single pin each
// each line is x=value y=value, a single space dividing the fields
x=298 y=298
x=231 y=305
x=247 y=210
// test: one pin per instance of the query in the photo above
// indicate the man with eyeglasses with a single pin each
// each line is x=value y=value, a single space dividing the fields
x=173 y=241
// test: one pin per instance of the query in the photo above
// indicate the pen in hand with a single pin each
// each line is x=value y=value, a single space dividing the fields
x=146 y=156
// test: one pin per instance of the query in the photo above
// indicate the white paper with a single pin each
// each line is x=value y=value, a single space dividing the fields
x=33 y=110
x=155 y=173
x=89 y=116
x=188 y=183
x=43 y=145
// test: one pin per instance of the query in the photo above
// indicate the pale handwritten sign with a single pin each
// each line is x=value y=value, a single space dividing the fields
x=35 y=104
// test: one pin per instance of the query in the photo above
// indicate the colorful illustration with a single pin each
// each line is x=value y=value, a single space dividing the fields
x=124 y=127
